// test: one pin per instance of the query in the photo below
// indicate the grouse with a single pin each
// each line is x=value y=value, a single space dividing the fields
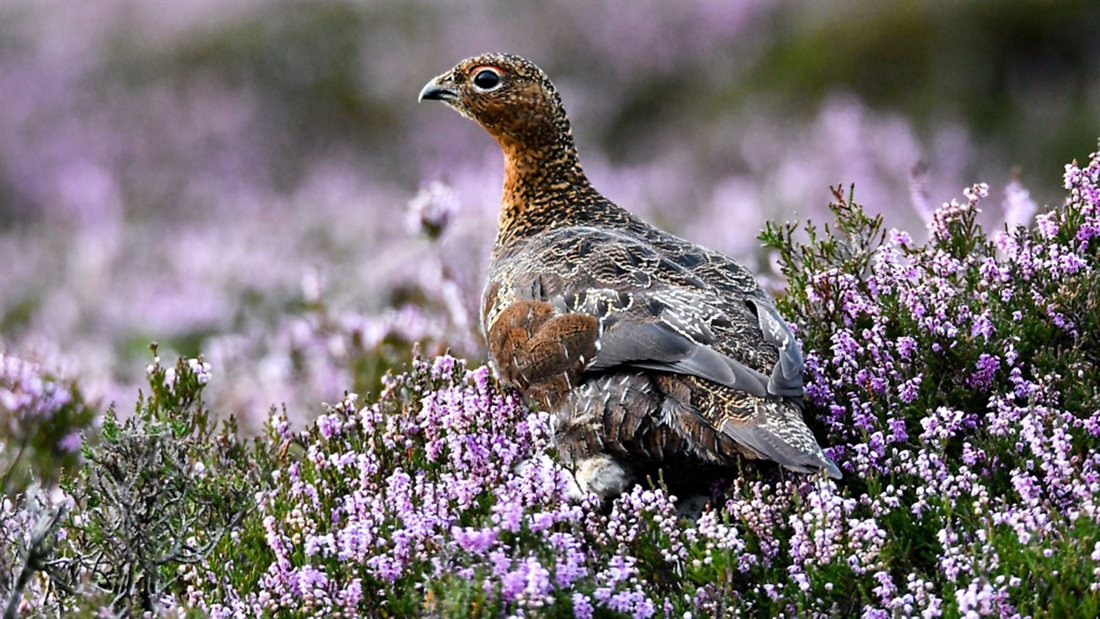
x=644 y=347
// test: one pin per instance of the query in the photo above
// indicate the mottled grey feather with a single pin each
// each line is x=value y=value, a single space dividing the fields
x=779 y=447
x=786 y=378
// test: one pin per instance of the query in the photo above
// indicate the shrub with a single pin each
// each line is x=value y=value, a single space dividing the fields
x=159 y=490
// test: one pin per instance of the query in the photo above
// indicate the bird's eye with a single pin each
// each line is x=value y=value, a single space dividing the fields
x=487 y=80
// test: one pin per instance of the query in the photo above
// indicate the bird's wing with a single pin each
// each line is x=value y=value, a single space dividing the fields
x=657 y=314
x=668 y=331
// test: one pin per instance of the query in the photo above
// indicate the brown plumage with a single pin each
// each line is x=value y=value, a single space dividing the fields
x=645 y=347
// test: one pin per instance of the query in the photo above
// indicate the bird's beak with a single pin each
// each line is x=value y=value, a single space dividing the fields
x=438 y=90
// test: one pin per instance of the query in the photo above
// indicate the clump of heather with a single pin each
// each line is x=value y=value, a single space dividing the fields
x=445 y=498
x=159 y=490
x=957 y=381
x=442 y=497
x=42 y=421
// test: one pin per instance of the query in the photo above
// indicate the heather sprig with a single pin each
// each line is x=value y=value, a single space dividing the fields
x=43 y=420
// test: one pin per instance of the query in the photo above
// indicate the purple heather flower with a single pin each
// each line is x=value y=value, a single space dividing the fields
x=71 y=443
x=983 y=326
x=986 y=367
x=900 y=237
x=898 y=433
x=384 y=567
x=975 y=193
x=309 y=581
x=906 y=346
x=910 y=389
x=528 y=582
x=949 y=213
x=431 y=210
x=477 y=541
x=582 y=607
x=27 y=394
x=329 y=426
x=352 y=595
x=633 y=602
x=1047 y=224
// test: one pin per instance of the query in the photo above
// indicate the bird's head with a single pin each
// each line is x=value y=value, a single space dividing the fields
x=509 y=96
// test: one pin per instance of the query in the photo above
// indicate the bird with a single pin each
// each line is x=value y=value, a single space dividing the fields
x=643 y=347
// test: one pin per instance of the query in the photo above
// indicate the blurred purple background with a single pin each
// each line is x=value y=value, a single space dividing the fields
x=234 y=178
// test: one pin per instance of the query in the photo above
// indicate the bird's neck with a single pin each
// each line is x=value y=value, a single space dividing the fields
x=544 y=188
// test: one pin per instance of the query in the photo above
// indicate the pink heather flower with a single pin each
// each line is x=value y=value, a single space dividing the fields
x=906 y=346
x=352 y=594
x=910 y=389
x=329 y=426
x=900 y=237
x=431 y=209
x=1047 y=224
x=201 y=369
x=976 y=599
x=983 y=326
x=975 y=193
x=987 y=366
x=1089 y=229
x=582 y=607
x=898 y=433
x=385 y=567
x=885 y=588
x=529 y=581
x=32 y=401
x=952 y=211
x=477 y=541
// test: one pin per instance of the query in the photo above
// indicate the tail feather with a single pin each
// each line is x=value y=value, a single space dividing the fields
x=780 y=435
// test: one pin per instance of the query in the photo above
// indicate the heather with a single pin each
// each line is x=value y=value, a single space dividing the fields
x=954 y=379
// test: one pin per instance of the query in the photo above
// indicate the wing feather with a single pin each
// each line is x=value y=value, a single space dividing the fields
x=788 y=442
x=786 y=378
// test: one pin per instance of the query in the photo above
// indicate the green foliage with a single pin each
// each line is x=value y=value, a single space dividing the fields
x=162 y=488
x=43 y=418
x=845 y=246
